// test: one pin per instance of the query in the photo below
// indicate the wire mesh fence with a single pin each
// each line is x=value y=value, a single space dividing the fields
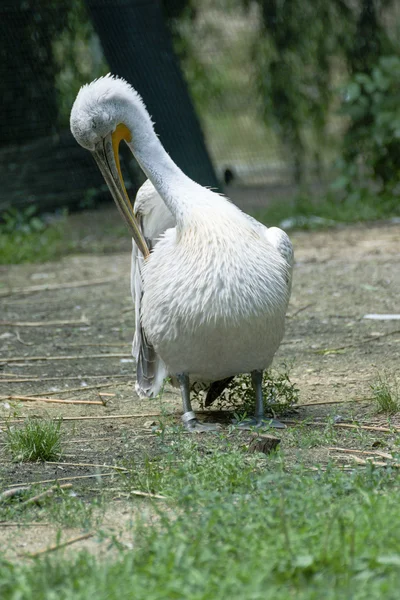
x=214 y=121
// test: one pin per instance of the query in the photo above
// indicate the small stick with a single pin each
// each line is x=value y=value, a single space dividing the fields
x=356 y=344
x=77 y=389
x=344 y=425
x=84 y=441
x=13 y=492
x=376 y=463
x=2 y=374
x=21 y=341
x=45 y=494
x=367 y=427
x=71 y=357
x=100 y=417
x=146 y=494
x=124 y=344
x=64 y=479
x=50 y=400
x=58 y=546
x=322 y=402
x=63 y=378
x=72 y=464
x=23 y=524
x=55 y=286
x=343 y=467
x=106 y=417
x=299 y=310
x=82 y=321
x=367 y=452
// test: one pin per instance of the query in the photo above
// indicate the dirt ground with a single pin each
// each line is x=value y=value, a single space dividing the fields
x=73 y=342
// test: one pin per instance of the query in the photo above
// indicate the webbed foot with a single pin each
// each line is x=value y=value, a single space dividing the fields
x=252 y=422
x=192 y=425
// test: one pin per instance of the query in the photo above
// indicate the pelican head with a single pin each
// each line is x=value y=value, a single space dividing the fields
x=100 y=120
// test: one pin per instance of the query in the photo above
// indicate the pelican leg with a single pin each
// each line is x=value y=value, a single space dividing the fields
x=259 y=419
x=189 y=419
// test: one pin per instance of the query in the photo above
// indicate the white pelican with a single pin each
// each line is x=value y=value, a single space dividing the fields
x=212 y=293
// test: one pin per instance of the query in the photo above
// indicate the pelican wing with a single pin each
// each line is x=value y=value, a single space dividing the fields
x=153 y=218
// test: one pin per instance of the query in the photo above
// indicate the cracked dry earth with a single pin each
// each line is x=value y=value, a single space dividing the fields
x=74 y=343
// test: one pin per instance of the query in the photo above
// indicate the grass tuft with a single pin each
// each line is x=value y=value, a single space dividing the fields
x=386 y=394
x=280 y=394
x=37 y=439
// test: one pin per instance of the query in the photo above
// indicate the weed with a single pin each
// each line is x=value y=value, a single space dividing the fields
x=304 y=436
x=69 y=511
x=386 y=394
x=186 y=467
x=26 y=237
x=37 y=439
x=280 y=394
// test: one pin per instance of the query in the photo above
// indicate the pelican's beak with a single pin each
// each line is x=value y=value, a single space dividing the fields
x=107 y=158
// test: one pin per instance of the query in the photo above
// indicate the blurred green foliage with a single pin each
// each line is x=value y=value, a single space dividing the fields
x=26 y=237
x=78 y=57
x=270 y=61
x=303 y=47
x=371 y=101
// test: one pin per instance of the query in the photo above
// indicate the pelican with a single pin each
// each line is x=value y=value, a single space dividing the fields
x=211 y=284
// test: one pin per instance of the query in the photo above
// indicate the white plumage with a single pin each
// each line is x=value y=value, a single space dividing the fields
x=211 y=296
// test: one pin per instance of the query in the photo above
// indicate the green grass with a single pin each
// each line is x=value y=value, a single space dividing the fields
x=37 y=439
x=329 y=210
x=237 y=526
x=386 y=394
x=25 y=237
x=32 y=246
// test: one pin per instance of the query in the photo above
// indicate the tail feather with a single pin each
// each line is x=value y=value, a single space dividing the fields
x=216 y=389
x=150 y=369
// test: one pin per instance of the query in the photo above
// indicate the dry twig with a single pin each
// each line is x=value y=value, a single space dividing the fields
x=46 y=494
x=356 y=344
x=99 y=417
x=21 y=341
x=81 y=321
x=55 y=286
x=56 y=480
x=71 y=357
x=7 y=494
x=367 y=452
x=77 y=389
x=344 y=425
x=59 y=546
x=322 y=402
x=72 y=464
x=146 y=494
x=24 y=379
x=376 y=463
x=50 y=400
x=299 y=310
x=23 y=524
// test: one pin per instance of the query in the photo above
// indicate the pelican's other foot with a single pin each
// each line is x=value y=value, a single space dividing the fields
x=252 y=422
x=191 y=423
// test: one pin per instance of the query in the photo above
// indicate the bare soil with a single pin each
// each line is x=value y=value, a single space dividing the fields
x=334 y=352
